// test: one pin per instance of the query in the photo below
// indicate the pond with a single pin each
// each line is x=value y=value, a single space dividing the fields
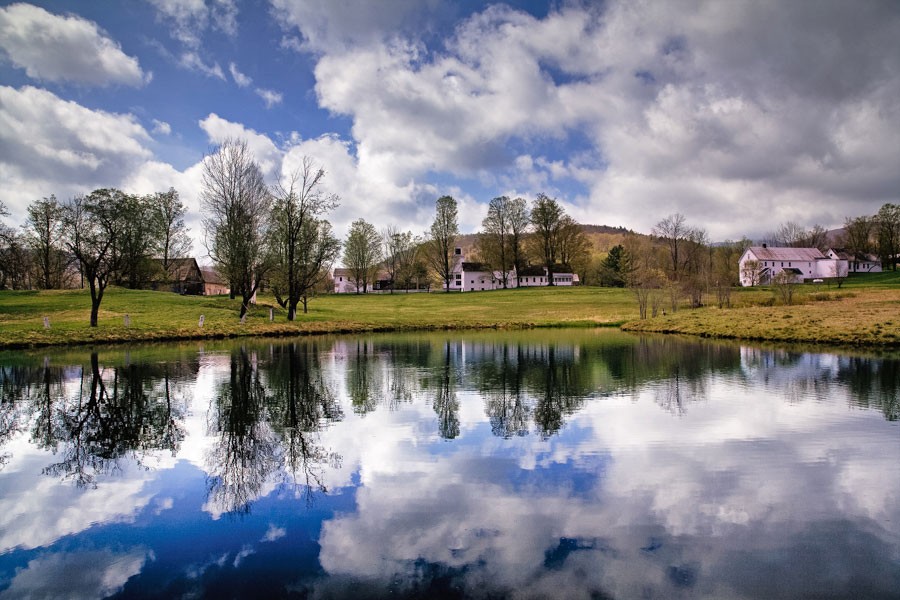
x=535 y=464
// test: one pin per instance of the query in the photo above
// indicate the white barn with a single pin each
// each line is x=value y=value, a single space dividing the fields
x=760 y=264
x=475 y=277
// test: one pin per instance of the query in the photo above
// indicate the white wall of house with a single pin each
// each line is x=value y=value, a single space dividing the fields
x=343 y=284
x=463 y=280
x=805 y=263
x=859 y=263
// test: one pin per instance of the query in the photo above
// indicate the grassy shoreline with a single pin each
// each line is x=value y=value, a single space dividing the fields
x=866 y=312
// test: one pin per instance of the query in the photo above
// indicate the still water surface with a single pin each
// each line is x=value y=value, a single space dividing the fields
x=545 y=464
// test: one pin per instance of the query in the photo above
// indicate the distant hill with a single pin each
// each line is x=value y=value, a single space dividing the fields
x=602 y=237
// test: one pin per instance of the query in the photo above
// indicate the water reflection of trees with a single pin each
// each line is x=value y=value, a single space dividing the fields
x=303 y=403
x=445 y=402
x=116 y=412
x=873 y=383
x=870 y=382
x=679 y=372
x=525 y=382
x=246 y=451
x=266 y=417
x=92 y=416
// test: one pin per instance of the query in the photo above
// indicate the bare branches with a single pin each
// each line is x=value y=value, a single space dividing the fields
x=237 y=203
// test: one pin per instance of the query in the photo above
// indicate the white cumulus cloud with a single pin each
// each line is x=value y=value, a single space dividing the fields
x=64 y=48
x=189 y=19
x=769 y=110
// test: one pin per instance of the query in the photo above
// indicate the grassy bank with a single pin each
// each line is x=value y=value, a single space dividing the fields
x=165 y=316
x=865 y=311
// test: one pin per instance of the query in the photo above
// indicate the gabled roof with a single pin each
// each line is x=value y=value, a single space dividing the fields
x=181 y=269
x=211 y=276
x=799 y=254
x=380 y=274
x=845 y=254
x=474 y=266
x=531 y=272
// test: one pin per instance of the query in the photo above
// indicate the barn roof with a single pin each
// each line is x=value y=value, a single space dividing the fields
x=798 y=254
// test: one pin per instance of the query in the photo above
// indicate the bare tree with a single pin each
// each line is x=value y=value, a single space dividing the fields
x=789 y=235
x=236 y=203
x=546 y=219
x=888 y=219
x=399 y=256
x=318 y=249
x=673 y=231
x=574 y=245
x=391 y=240
x=440 y=243
x=172 y=239
x=14 y=256
x=495 y=242
x=135 y=242
x=784 y=284
x=519 y=218
x=410 y=262
x=858 y=234
x=93 y=225
x=302 y=245
x=44 y=232
x=816 y=237
x=752 y=272
x=362 y=253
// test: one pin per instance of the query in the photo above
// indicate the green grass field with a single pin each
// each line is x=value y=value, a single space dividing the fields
x=865 y=311
x=164 y=316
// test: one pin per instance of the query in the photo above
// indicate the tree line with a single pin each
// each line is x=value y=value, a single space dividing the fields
x=514 y=237
x=102 y=238
x=254 y=234
x=279 y=237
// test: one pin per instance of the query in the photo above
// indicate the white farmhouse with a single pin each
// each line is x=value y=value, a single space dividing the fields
x=858 y=262
x=473 y=276
x=760 y=264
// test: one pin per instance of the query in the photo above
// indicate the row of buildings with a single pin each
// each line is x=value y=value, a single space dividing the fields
x=467 y=276
x=760 y=265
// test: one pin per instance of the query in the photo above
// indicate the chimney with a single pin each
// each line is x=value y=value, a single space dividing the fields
x=764 y=245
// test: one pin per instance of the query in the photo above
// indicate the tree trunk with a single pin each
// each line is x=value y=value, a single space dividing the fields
x=96 y=297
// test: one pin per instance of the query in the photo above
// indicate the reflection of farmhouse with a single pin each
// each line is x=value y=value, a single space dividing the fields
x=760 y=264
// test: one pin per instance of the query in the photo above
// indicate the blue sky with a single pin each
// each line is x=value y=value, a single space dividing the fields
x=739 y=115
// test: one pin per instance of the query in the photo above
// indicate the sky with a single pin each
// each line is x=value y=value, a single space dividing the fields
x=739 y=115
